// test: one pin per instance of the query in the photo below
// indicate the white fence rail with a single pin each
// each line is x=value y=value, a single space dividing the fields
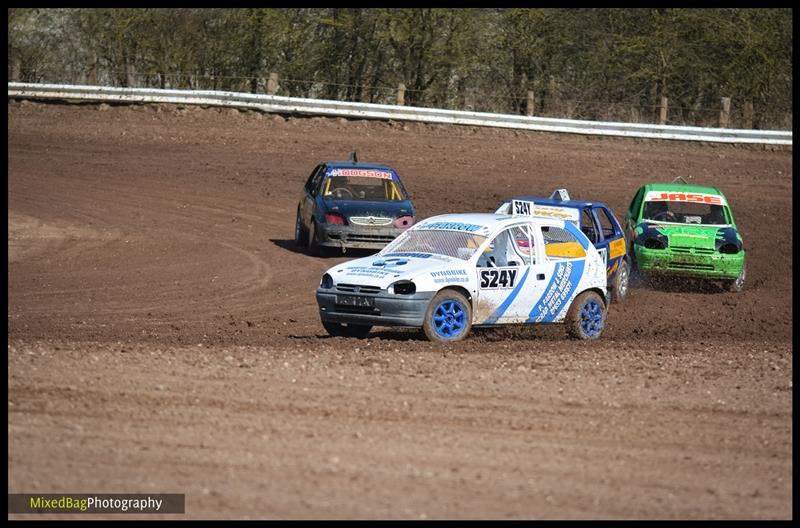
x=291 y=105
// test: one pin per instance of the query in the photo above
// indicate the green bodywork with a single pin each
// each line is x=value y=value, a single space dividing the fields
x=692 y=250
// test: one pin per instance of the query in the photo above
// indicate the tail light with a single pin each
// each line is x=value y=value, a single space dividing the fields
x=404 y=222
x=335 y=219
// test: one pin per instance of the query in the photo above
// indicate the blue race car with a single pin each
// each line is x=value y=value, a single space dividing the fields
x=352 y=204
x=600 y=226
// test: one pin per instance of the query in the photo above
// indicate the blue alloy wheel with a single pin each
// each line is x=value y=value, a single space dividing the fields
x=449 y=319
x=592 y=318
x=586 y=316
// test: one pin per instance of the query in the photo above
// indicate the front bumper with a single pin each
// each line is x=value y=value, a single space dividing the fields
x=357 y=237
x=708 y=264
x=389 y=310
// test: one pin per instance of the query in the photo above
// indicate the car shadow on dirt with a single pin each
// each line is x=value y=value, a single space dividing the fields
x=680 y=285
x=289 y=245
x=516 y=332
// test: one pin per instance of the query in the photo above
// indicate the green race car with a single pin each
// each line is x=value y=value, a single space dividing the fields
x=682 y=230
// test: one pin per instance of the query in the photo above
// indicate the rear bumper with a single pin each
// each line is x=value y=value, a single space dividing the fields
x=389 y=310
x=357 y=237
x=714 y=265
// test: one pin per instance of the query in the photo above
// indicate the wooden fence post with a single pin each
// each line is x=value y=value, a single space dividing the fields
x=531 y=103
x=725 y=112
x=130 y=75
x=16 y=68
x=92 y=77
x=634 y=114
x=748 y=114
x=272 y=83
x=401 y=94
x=664 y=105
x=555 y=103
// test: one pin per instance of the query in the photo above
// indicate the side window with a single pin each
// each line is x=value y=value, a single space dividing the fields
x=512 y=247
x=311 y=178
x=588 y=226
x=561 y=244
x=606 y=224
x=316 y=179
x=523 y=244
x=636 y=203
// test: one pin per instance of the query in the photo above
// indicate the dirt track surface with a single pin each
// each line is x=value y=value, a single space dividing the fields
x=164 y=336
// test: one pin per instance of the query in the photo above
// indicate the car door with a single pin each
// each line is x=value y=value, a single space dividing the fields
x=633 y=215
x=563 y=265
x=591 y=228
x=611 y=243
x=510 y=275
x=310 y=191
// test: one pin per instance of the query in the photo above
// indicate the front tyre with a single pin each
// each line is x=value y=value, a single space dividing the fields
x=347 y=330
x=738 y=284
x=300 y=232
x=314 y=249
x=619 y=289
x=586 y=317
x=448 y=318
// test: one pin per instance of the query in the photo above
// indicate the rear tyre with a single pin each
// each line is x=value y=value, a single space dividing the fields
x=586 y=317
x=314 y=248
x=448 y=318
x=300 y=232
x=619 y=289
x=347 y=330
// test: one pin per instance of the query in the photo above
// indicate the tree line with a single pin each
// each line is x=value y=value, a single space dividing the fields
x=587 y=63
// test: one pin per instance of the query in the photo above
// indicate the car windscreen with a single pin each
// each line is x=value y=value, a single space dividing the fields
x=684 y=212
x=457 y=244
x=362 y=188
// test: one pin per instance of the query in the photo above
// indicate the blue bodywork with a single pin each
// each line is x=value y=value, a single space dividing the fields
x=376 y=219
x=590 y=224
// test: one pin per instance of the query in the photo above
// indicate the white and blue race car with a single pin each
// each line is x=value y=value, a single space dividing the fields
x=451 y=272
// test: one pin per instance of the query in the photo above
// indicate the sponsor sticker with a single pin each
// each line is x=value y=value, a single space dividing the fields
x=453 y=226
x=360 y=271
x=660 y=196
x=368 y=173
x=616 y=248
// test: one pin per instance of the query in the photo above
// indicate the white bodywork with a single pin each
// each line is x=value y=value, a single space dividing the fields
x=523 y=287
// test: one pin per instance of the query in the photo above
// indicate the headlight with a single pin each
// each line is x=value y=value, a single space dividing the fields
x=650 y=238
x=402 y=288
x=654 y=243
x=326 y=282
x=729 y=248
x=728 y=241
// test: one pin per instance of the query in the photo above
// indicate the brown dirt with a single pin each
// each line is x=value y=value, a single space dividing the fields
x=164 y=336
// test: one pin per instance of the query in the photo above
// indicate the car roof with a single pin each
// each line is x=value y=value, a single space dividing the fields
x=538 y=200
x=682 y=187
x=358 y=164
